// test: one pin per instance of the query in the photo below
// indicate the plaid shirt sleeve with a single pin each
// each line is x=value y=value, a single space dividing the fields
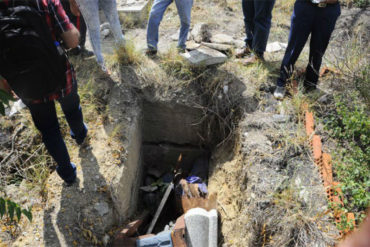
x=61 y=21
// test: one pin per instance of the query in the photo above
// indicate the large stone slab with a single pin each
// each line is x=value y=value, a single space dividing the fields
x=219 y=47
x=201 y=228
x=204 y=56
x=221 y=38
x=136 y=10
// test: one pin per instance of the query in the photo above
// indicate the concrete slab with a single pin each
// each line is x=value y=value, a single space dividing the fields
x=136 y=10
x=204 y=56
x=201 y=228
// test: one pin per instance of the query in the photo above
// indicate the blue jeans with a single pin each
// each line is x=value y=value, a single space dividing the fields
x=156 y=15
x=45 y=118
x=320 y=23
x=257 y=20
x=90 y=12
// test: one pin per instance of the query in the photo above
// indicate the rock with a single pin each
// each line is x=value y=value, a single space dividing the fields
x=104 y=26
x=201 y=32
x=105 y=33
x=221 y=38
x=276 y=46
x=136 y=11
x=192 y=45
x=104 y=215
x=219 y=47
x=201 y=227
x=204 y=56
x=102 y=208
x=175 y=37
x=281 y=118
x=239 y=43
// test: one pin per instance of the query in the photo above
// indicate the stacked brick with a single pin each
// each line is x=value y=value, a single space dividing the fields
x=324 y=163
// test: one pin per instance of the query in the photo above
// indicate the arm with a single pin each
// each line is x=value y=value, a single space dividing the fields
x=67 y=31
x=74 y=8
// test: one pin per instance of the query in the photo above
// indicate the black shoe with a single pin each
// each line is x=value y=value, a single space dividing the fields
x=80 y=139
x=86 y=53
x=150 y=52
x=75 y=51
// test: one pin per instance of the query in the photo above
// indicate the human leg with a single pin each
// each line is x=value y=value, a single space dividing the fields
x=301 y=26
x=248 y=12
x=110 y=10
x=90 y=12
x=155 y=18
x=73 y=113
x=45 y=119
x=322 y=29
x=184 y=11
x=262 y=25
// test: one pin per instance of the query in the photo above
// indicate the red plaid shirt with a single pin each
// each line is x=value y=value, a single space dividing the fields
x=58 y=23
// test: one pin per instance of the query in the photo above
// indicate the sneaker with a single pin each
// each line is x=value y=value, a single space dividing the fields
x=279 y=92
x=80 y=139
x=252 y=59
x=245 y=51
x=150 y=52
x=105 y=70
x=68 y=176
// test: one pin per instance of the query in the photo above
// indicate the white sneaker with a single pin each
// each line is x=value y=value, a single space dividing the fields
x=279 y=92
x=104 y=69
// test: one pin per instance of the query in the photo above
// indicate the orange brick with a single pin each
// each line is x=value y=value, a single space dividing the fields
x=351 y=219
x=310 y=123
x=327 y=172
x=317 y=147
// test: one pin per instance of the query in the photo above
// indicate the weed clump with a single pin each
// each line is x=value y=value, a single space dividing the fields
x=127 y=54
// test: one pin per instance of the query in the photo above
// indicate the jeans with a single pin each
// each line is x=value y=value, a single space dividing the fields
x=320 y=23
x=156 y=15
x=45 y=119
x=257 y=20
x=78 y=21
x=90 y=11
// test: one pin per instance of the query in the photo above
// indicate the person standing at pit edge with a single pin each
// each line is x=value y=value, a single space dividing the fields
x=36 y=68
x=257 y=20
x=309 y=17
x=155 y=17
x=74 y=15
x=90 y=11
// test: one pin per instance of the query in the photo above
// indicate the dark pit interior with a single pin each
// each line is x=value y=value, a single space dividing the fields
x=174 y=147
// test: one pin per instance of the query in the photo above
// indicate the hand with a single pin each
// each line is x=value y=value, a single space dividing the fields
x=74 y=8
x=4 y=85
x=331 y=1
